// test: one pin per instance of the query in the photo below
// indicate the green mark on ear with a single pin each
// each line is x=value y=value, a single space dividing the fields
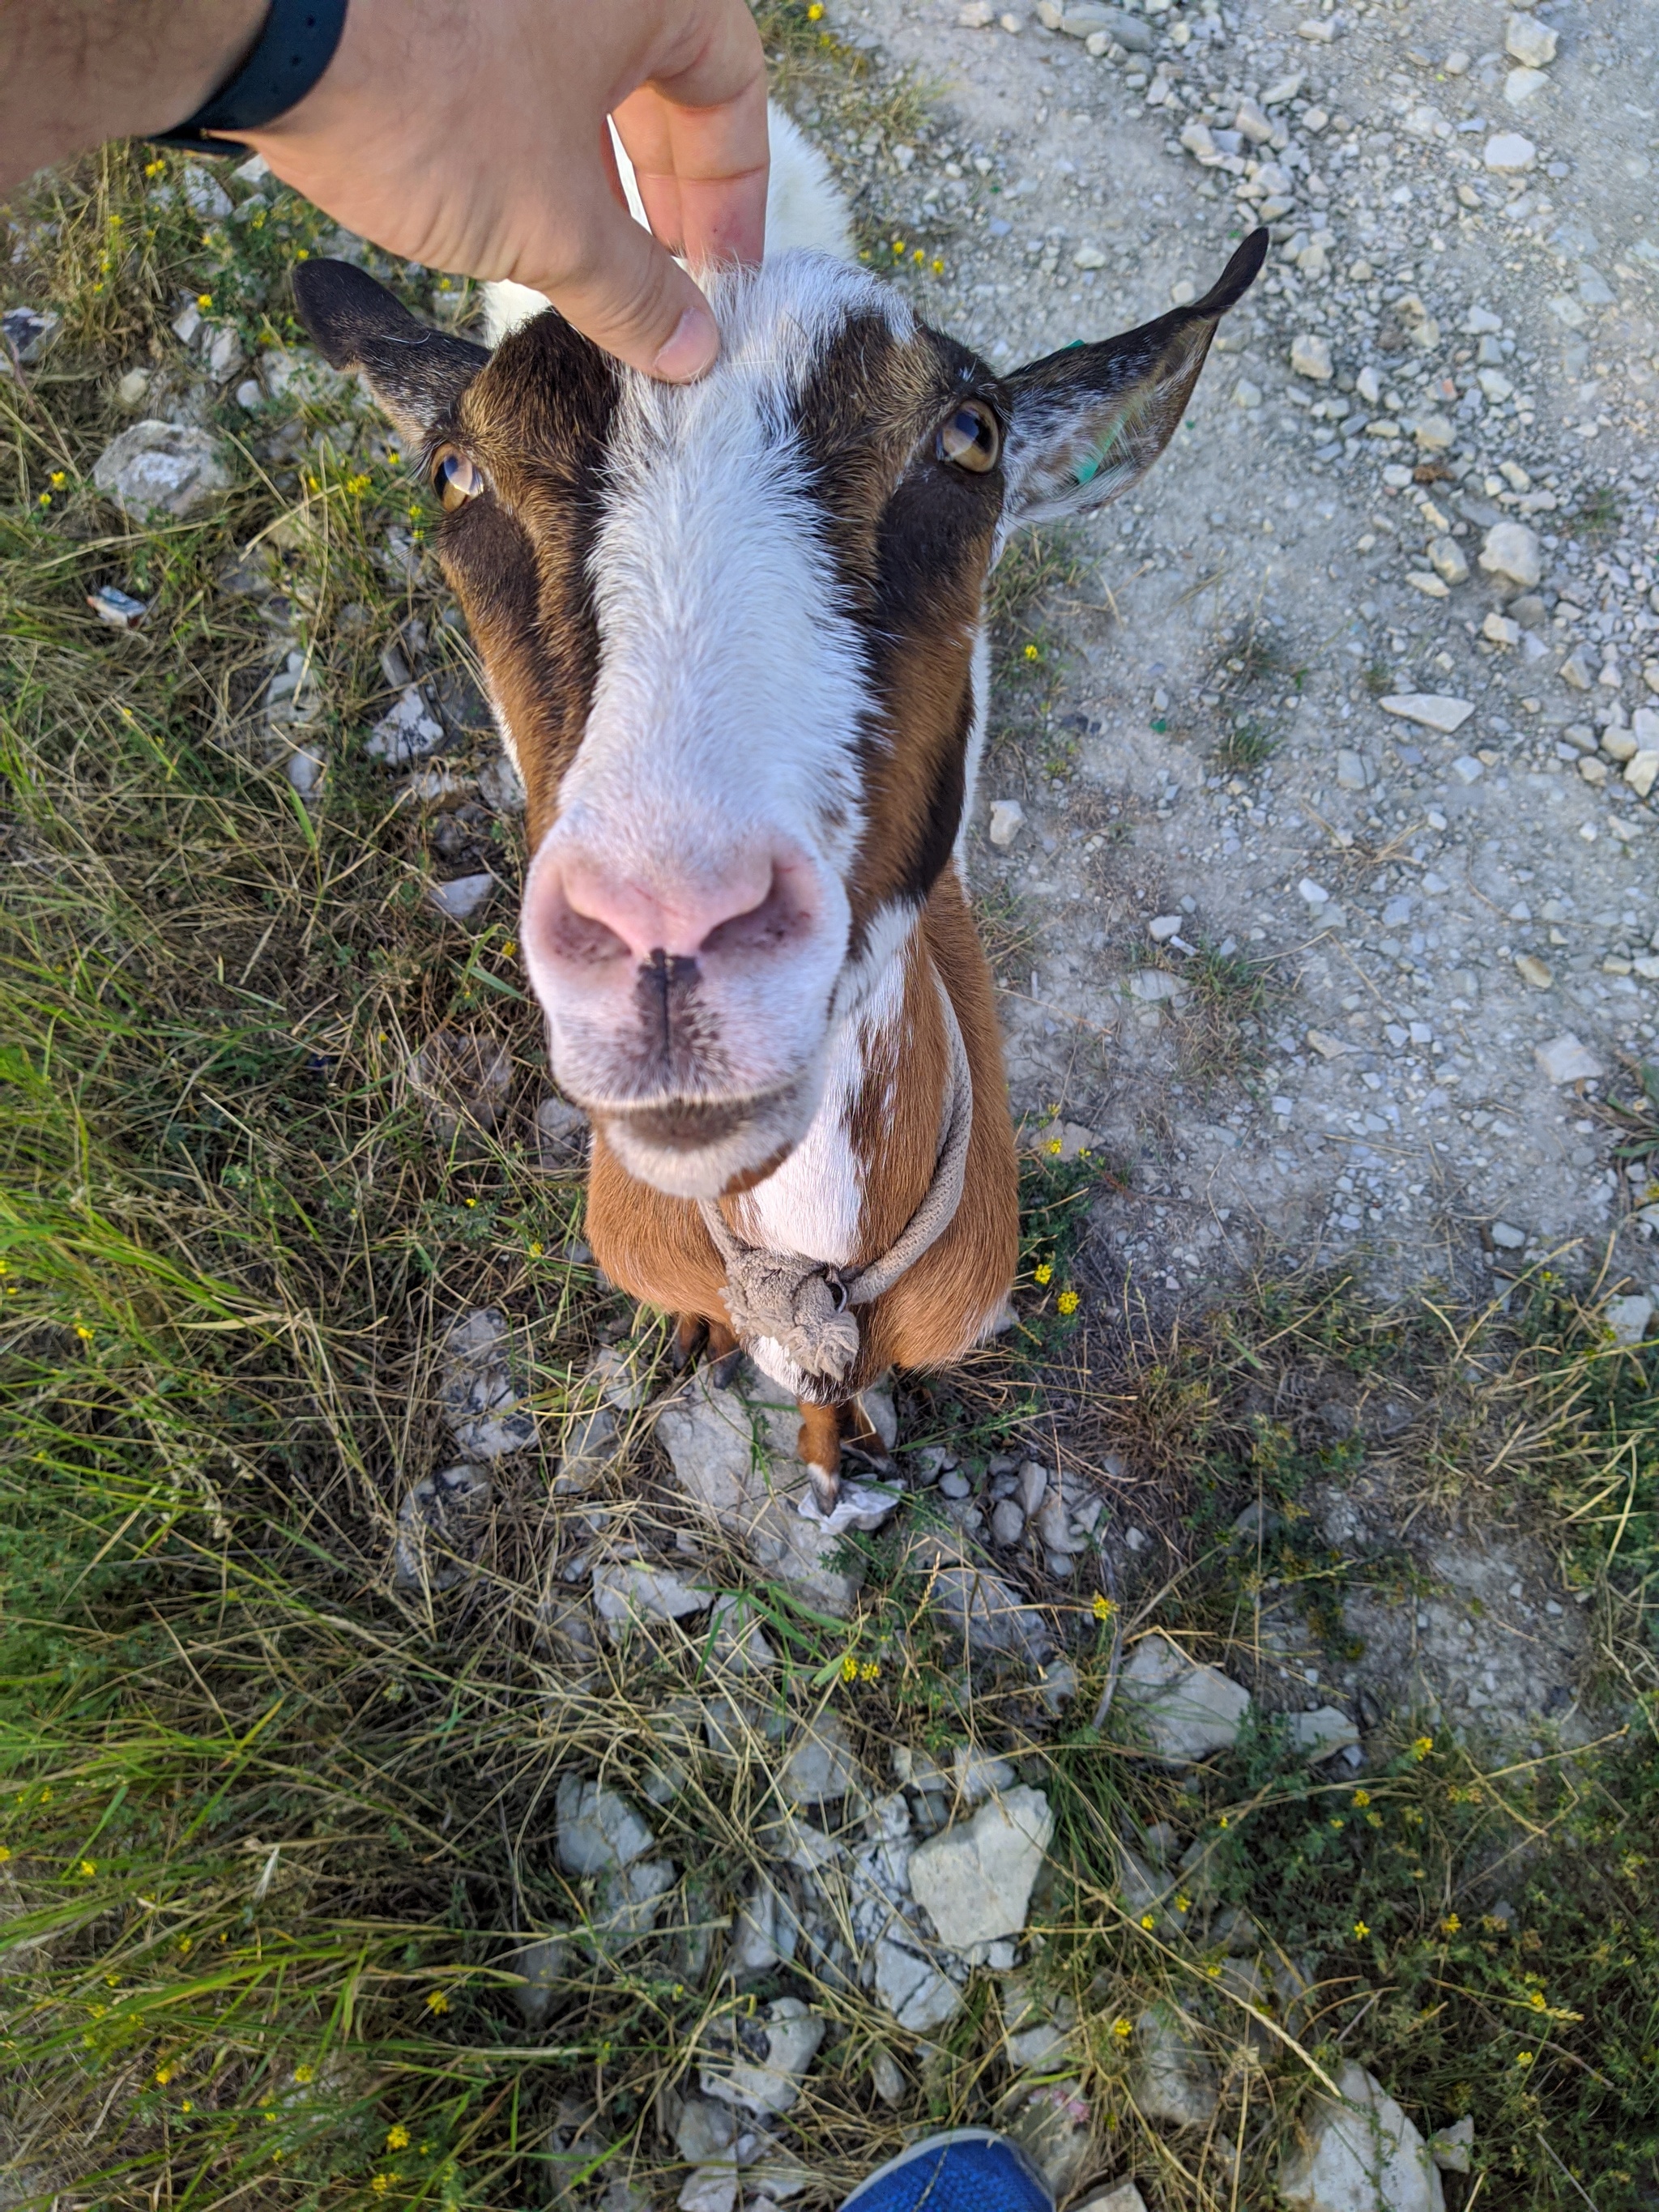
x=1088 y=470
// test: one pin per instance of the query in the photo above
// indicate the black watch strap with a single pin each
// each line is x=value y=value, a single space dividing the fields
x=296 y=46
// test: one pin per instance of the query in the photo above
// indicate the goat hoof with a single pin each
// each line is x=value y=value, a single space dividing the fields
x=689 y=1340
x=826 y=1489
x=725 y=1368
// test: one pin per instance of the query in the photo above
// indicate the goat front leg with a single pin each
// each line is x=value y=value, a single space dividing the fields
x=819 y=1448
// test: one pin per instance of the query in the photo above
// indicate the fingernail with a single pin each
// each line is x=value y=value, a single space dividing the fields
x=693 y=350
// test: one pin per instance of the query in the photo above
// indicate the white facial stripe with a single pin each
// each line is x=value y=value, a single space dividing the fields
x=812 y=1203
x=731 y=689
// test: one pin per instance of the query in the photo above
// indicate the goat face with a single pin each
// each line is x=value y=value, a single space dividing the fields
x=731 y=631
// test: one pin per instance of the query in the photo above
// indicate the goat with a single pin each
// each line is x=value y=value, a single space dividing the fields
x=733 y=636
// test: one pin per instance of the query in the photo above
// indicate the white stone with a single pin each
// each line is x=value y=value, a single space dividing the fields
x=919 y=1997
x=1508 y=152
x=974 y=1879
x=1246 y=393
x=541 y=1967
x=733 y=1452
x=203 y=194
x=1320 y=1735
x=1629 y=1320
x=1522 y=85
x=1431 y=710
x=1163 y=926
x=1432 y=587
x=626 y=1592
x=1007 y=820
x=439 y=1524
x=1350 y=771
x=1188 y=1711
x=598 y=1832
x=1360 y=2154
x=1088 y=257
x=160 y=468
x=1467 y=770
x=822 y=1764
x=1565 y=1061
x=1312 y=894
x=409 y=733
x=462 y=896
x=477 y=1390
x=1642 y=771
x=709 y=2189
x=1172 y=2082
x=1508 y=1237
x=762 y=2073
x=978 y=1776
x=1499 y=629
x=1126 y=2197
x=1529 y=42
x=1513 y=550
x=1311 y=356
x=989 y=1612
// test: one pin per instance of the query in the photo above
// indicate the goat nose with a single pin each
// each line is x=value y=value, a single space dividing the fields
x=583 y=913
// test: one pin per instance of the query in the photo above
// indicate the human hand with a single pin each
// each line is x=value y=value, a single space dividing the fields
x=473 y=138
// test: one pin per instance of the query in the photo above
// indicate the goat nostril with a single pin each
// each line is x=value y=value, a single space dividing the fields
x=770 y=922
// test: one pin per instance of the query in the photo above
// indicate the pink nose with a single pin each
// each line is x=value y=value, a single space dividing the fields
x=578 y=913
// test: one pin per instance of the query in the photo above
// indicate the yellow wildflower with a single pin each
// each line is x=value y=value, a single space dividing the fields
x=204 y=299
x=1043 y=1273
x=304 y=2074
x=164 y=2075
x=939 y=268
x=1536 y=2001
x=1362 y=1797
x=1450 y=1924
x=1361 y=1930
x=5 y=1853
x=437 y=2002
x=535 y=1251
x=381 y=2182
x=1148 y=1920
x=58 y=479
x=919 y=254
x=849 y=1666
x=87 y=1869
x=871 y=1671
x=1122 y=2027
x=1031 y=653
x=1423 y=1746
x=1183 y=1904
x=397 y=2137
x=815 y=13
x=1104 y=1608
x=1524 y=2057
x=1067 y=1302
x=83 y=1332
x=509 y=948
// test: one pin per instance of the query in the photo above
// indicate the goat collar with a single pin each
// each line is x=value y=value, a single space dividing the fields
x=805 y=1305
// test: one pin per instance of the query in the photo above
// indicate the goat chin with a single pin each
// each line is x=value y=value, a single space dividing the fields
x=711 y=1148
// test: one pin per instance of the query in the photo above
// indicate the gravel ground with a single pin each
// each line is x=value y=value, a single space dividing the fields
x=1419 y=462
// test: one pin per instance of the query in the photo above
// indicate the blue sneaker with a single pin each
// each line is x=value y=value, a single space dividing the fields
x=969 y=2169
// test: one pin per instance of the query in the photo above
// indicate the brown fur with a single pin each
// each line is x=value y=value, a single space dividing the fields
x=657 y=1249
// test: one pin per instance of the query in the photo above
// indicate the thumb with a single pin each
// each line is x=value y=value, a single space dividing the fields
x=621 y=288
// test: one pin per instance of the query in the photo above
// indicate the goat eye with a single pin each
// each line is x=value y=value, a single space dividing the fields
x=455 y=479
x=969 y=439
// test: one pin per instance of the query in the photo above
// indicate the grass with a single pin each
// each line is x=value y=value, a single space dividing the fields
x=1245 y=747
x=276 y=1829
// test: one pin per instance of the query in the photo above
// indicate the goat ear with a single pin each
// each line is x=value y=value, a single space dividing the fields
x=416 y=373
x=1087 y=422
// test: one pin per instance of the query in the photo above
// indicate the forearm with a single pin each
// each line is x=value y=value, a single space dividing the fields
x=74 y=73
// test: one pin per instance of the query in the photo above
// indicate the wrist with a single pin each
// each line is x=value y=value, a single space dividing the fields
x=110 y=72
